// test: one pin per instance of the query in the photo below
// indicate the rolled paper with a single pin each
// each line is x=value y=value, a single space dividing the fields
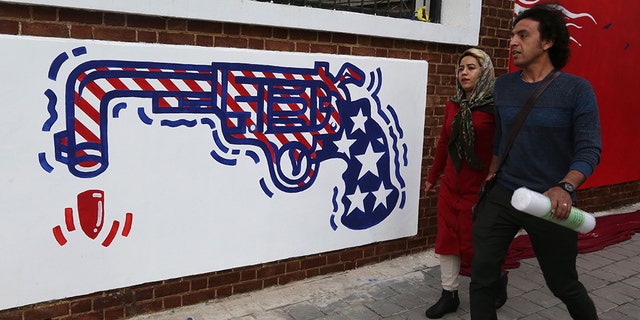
x=539 y=205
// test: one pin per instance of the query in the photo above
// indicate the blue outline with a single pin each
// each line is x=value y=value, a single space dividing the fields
x=42 y=158
x=51 y=109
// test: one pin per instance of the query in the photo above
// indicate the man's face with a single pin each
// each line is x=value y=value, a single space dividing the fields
x=526 y=46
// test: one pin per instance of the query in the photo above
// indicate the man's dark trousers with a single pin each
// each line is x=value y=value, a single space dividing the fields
x=556 y=249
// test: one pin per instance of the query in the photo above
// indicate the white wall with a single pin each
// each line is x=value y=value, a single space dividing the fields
x=190 y=211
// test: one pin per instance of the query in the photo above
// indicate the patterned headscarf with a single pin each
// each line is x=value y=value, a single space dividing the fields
x=461 y=143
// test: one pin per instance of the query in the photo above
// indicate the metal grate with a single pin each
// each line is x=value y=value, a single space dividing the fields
x=389 y=8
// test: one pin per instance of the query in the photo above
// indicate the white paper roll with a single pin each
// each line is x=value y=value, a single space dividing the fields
x=539 y=205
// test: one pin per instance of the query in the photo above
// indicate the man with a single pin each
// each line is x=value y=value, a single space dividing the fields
x=557 y=148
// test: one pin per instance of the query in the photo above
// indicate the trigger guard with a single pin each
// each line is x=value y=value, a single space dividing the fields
x=301 y=170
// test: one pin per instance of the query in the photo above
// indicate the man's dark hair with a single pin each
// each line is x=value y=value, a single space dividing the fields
x=552 y=27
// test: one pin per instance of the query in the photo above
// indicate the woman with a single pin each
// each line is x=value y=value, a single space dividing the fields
x=463 y=155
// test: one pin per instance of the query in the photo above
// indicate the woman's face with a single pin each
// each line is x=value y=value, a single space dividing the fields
x=468 y=74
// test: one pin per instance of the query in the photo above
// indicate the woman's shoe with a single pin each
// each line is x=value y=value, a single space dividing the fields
x=501 y=296
x=449 y=302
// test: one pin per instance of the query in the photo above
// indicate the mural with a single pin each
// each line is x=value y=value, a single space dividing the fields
x=604 y=50
x=297 y=117
x=224 y=157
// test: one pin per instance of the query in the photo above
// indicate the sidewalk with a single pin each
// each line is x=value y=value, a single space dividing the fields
x=405 y=287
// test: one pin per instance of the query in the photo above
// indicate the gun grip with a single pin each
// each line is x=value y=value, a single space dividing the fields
x=370 y=195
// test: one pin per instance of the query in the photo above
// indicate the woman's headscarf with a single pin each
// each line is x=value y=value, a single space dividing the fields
x=461 y=143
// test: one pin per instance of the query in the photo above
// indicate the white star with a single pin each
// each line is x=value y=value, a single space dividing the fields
x=381 y=195
x=358 y=122
x=369 y=161
x=344 y=144
x=357 y=200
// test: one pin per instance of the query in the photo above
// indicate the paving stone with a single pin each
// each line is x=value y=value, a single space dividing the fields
x=615 y=315
x=629 y=309
x=407 y=300
x=304 y=311
x=385 y=308
x=360 y=312
x=556 y=312
x=525 y=306
x=593 y=261
x=618 y=293
x=542 y=297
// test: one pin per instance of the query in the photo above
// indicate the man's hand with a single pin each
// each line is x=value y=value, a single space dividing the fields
x=560 y=202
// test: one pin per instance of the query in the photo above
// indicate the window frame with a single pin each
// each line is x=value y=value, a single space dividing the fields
x=459 y=19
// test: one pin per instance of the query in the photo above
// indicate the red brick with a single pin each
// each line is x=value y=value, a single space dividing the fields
x=146 y=22
x=10 y=10
x=289 y=277
x=279 y=45
x=204 y=40
x=313 y=262
x=12 y=314
x=172 y=302
x=333 y=268
x=344 y=38
x=95 y=315
x=280 y=33
x=293 y=266
x=247 y=286
x=115 y=34
x=47 y=311
x=147 y=36
x=45 y=29
x=171 y=288
x=363 y=51
x=303 y=47
x=45 y=13
x=232 y=42
x=256 y=44
x=231 y=29
x=80 y=16
x=81 y=32
x=146 y=307
x=344 y=50
x=303 y=35
x=256 y=31
x=81 y=305
x=9 y=27
x=192 y=298
x=198 y=283
x=224 y=278
x=204 y=27
x=177 y=24
x=176 y=38
x=224 y=291
x=248 y=274
x=324 y=48
x=107 y=301
x=114 y=314
x=271 y=270
x=114 y=19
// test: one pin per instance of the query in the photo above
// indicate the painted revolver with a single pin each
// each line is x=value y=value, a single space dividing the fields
x=295 y=116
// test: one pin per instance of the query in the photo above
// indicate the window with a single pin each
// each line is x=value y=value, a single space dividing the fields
x=459 y=19
x=409 y=9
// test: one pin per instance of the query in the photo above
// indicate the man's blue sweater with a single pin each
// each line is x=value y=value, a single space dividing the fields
x=561 y=133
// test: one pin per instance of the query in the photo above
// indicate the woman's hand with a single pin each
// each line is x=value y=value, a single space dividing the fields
x=429 y=187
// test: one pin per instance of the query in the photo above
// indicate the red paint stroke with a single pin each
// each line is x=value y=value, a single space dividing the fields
x=112 y=234
x=68 y=219
x=57 y=233
x=127 y=224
